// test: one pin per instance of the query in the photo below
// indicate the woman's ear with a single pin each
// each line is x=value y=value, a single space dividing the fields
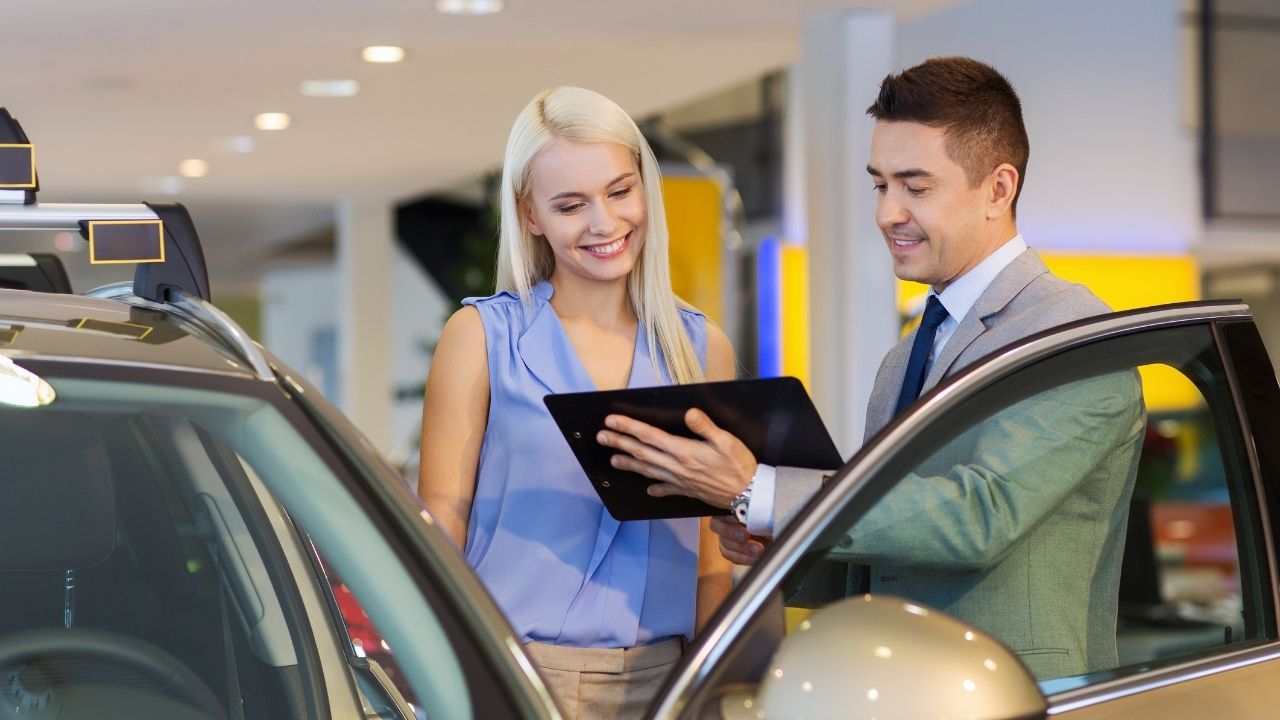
x=525 y=211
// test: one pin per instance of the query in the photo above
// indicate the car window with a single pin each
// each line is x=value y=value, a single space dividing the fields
x=147 y=561
x=1095 y=511
x=130 y=534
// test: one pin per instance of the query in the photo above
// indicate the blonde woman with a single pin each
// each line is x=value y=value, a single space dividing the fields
x=584 y=302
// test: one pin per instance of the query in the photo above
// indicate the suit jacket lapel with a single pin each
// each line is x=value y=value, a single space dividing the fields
x=884 y=393
x=1016 y=276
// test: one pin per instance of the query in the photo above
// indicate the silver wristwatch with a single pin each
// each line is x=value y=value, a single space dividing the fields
x=740 y=503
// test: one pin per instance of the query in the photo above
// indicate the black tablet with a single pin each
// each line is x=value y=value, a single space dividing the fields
x=773 y=417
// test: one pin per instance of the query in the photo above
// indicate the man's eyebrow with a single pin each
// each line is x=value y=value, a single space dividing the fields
x=574 y=194
x=903 y=174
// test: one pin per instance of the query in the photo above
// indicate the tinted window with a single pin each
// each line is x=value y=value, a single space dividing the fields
x=151 y=520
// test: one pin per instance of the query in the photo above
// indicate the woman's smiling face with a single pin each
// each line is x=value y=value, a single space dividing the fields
x=588 y=201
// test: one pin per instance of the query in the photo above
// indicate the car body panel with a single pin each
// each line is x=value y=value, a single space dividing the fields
x=71 y=327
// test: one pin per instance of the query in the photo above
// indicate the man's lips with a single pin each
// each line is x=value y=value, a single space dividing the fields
x=907 y=241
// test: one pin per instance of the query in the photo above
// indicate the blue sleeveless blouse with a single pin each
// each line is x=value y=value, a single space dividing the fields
x=558 y=564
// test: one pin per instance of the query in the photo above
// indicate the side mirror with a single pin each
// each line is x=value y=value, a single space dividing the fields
x=879 y=656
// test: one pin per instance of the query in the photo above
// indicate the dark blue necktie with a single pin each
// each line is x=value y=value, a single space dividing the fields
x=913 y=380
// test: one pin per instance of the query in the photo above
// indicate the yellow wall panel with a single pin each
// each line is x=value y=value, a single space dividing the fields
x=694 y=223
x=795 y=312
x=1124 y=282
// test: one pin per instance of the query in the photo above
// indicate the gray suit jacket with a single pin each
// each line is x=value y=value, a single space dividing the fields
x=1017 y=526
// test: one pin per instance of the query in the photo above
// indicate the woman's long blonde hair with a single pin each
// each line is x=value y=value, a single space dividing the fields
x=583 y=116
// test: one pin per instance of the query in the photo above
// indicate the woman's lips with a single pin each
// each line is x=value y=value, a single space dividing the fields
x=609 y=249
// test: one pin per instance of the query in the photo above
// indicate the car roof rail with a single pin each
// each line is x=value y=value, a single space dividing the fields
x=38 y=272
x=18 y=182
x=220 y=325
x=159 y=237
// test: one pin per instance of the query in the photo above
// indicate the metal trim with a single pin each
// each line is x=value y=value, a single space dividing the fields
x=223 y=328
x=774 y=565
x=1103 y=692
x=134 y=364
x=67 y=216
x=112 y=291
x=1255 y=464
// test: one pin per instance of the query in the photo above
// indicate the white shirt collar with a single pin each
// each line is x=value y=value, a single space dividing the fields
x=959 y=297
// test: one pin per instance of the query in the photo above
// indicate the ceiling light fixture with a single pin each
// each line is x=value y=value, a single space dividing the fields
x=329 y=88
x=382 y=54
x=271 y=121
x=193 y=168
x=167 y=185
x=470 y=7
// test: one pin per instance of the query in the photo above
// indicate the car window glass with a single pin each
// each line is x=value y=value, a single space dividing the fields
x=379 y=678
x=1090 y=511
x=163 y=568
x=147 y=518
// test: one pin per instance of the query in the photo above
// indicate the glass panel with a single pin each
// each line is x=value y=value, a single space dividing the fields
x=139 y=516
x=386 y=687
x=163 y=542
x=1180 y=589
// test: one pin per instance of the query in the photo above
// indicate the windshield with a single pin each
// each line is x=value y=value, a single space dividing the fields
x=147 y=562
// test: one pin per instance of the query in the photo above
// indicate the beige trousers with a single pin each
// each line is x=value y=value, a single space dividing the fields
x=605 y=683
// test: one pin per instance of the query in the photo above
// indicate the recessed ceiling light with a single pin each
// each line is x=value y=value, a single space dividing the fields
x=382 y=54
x=168 y=185
x=329 y=88
x=271 y=121
x=239 y=144
x=470 y=7
x=193 y=168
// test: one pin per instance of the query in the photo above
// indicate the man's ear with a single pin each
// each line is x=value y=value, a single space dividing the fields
x=1004 y=187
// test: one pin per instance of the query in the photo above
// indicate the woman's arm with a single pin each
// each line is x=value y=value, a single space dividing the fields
x=715 y=578
x=455 y=412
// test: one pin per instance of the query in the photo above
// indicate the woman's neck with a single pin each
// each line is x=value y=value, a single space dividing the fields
x=604 y=304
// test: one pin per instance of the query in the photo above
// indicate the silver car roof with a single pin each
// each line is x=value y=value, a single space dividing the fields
x=86 y=329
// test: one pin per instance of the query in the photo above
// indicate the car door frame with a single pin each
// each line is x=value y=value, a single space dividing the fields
x=846 y=493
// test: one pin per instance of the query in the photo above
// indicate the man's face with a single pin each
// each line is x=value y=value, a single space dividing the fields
x=934 y=222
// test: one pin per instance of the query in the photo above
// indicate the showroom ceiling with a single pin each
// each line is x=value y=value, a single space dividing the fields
x=116 y=94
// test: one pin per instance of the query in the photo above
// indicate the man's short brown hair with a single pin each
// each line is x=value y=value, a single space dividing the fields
x=972 y=103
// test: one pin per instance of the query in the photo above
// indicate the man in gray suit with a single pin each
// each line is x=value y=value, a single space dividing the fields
x=1018 y=525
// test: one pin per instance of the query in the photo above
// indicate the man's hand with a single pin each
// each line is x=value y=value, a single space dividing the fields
x=714 y=467
x=736 y=545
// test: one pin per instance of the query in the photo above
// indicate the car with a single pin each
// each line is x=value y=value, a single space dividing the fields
x=183 y=518
x=153 y=565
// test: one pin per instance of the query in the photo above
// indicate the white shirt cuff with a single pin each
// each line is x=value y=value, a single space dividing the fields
x=760 y=507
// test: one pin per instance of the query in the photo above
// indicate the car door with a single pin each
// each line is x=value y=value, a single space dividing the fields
x=1099 y=498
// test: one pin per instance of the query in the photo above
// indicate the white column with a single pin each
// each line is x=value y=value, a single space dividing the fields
x=365 y=256
x=854 y=320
